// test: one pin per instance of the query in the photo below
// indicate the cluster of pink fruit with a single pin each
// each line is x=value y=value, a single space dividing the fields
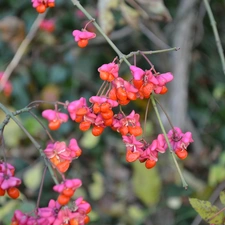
x=103 y=111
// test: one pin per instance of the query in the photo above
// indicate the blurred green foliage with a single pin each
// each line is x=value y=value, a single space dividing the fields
x=54 y=68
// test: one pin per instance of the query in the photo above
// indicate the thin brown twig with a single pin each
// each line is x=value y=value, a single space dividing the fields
x=21 y=50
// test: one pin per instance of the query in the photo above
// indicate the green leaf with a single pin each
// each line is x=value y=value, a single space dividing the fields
x=215 y=175
x=136 y=213
x=206 y=210
x=11 y=128
x=147 y=186
x=32 y=126
x=32 y=176
x=222 y=197
x=97 y=187
x=89 y=140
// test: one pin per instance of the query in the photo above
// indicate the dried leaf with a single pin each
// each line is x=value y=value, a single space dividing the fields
x=206 y=210
x=106 y=18
x=130 y=15
x=156 y=9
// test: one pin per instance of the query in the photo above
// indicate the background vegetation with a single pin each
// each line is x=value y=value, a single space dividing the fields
x=54 y=68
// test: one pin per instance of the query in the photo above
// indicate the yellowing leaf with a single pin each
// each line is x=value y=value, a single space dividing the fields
x=146 y=184
x=97 y=187
x=106 y=18
x=130 y=15
x=222 y=197
x=156 y=9
x=207 y=211
x=32 y=176
x=89 y=140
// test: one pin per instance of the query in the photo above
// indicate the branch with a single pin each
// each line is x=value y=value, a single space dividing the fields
x=21 y=50
x=216 y=34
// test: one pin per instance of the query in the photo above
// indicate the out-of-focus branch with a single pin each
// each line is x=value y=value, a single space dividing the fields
x=151 y=36
x=21 y=50
x=183 y=37
x=216 y=34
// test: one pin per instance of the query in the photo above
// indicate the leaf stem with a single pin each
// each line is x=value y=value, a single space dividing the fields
x=185 y=185
x=118 y=52
x=41 y=188
x=146 y=116
x=216 y=214
x=135 y=53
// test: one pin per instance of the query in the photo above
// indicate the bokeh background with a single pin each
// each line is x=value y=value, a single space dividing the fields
x=53 y=68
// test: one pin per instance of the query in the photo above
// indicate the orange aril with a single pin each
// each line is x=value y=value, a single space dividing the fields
x=82 y=43
x=85 y=125
x=138 y=83
x=2 y=192
x=14 y=223
x=104 y=75
x=13 y=192
x=78 y=119
x=68 y=192
x=124 y=102
x=150 y=163
x=123 y=130
x=96 y=108
x=86 y=219
x=107 y=115
x=112 y=94
x=73 y=222
x=54 y=125
x=132 y=156
x=55 y=161
x=41 y=8
x=63 y=166
x=81 y=112
x=108 y=122
x=121 y=93
x=136 y=131
x=105 y=107
x=164 y=90
x=147 y=89
x=111 y=77
x=181 y=153
x=62 y=199
x=51 y=4
x=131 y=95
x=97 y=130
x=78 y=152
